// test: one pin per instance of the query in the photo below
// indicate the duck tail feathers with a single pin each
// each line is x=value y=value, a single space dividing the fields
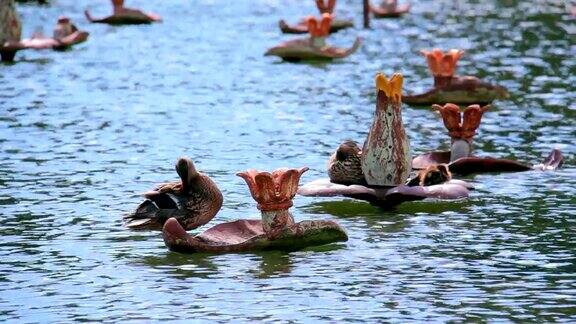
x=145 y=217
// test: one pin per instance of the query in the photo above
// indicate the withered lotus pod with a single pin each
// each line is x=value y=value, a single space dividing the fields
x=449 y=88
x=65 y=36
x=314 y=47
x=124 y=16
x=389 y=9
x=276 y=231
x=386 y=152
x=325 y=7
x=462 y=128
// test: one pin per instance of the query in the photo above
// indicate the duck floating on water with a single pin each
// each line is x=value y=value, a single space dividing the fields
x=345 y=165
x=449 y=88
x=65 y=35
x=324 y=6
x=124 y=16
x=432 y=175
x=277 y=229
x=380 y=172
x=389 y=9
x=462 y=125
x=313 y=47
x=193 y=201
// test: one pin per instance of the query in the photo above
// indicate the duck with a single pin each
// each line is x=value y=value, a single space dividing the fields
x=344 y=166
x=432 y=175
x=193 y=201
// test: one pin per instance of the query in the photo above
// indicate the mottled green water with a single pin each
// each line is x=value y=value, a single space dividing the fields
x=82 y=133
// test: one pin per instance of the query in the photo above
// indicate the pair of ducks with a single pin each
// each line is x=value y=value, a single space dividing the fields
x=345 y=167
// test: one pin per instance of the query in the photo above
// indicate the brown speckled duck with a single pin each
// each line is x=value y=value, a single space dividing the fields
x=432 y=175
x=193 y=201
x=344 y=166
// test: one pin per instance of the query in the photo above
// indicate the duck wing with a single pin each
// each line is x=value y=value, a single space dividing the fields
x=149 y=217
x=161 y=203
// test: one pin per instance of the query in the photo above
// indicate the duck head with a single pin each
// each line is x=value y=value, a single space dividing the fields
x=187 y=171
x=462 y=126
x=347 y=150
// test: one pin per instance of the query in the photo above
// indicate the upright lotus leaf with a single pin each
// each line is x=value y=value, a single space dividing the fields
x=288 y=180
x=471 y=118
x=386 y=152
x=274 y=193
x=326 y=6
x=461 y=125
x=325 y=24
x=433 y=58
x=249 y=176
x=319 y=28
x=452 y=118
x=442 y=64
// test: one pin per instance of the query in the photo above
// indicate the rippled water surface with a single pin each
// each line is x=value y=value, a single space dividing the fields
x=83 y=133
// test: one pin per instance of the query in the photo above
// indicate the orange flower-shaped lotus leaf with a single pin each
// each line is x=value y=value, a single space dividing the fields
x=461 y=125
x=319 y=28
x=273 y=191
x=326 y=6
x=440 y=63
x=471 y=119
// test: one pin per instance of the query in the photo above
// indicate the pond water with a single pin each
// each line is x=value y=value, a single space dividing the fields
x=84 y=132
